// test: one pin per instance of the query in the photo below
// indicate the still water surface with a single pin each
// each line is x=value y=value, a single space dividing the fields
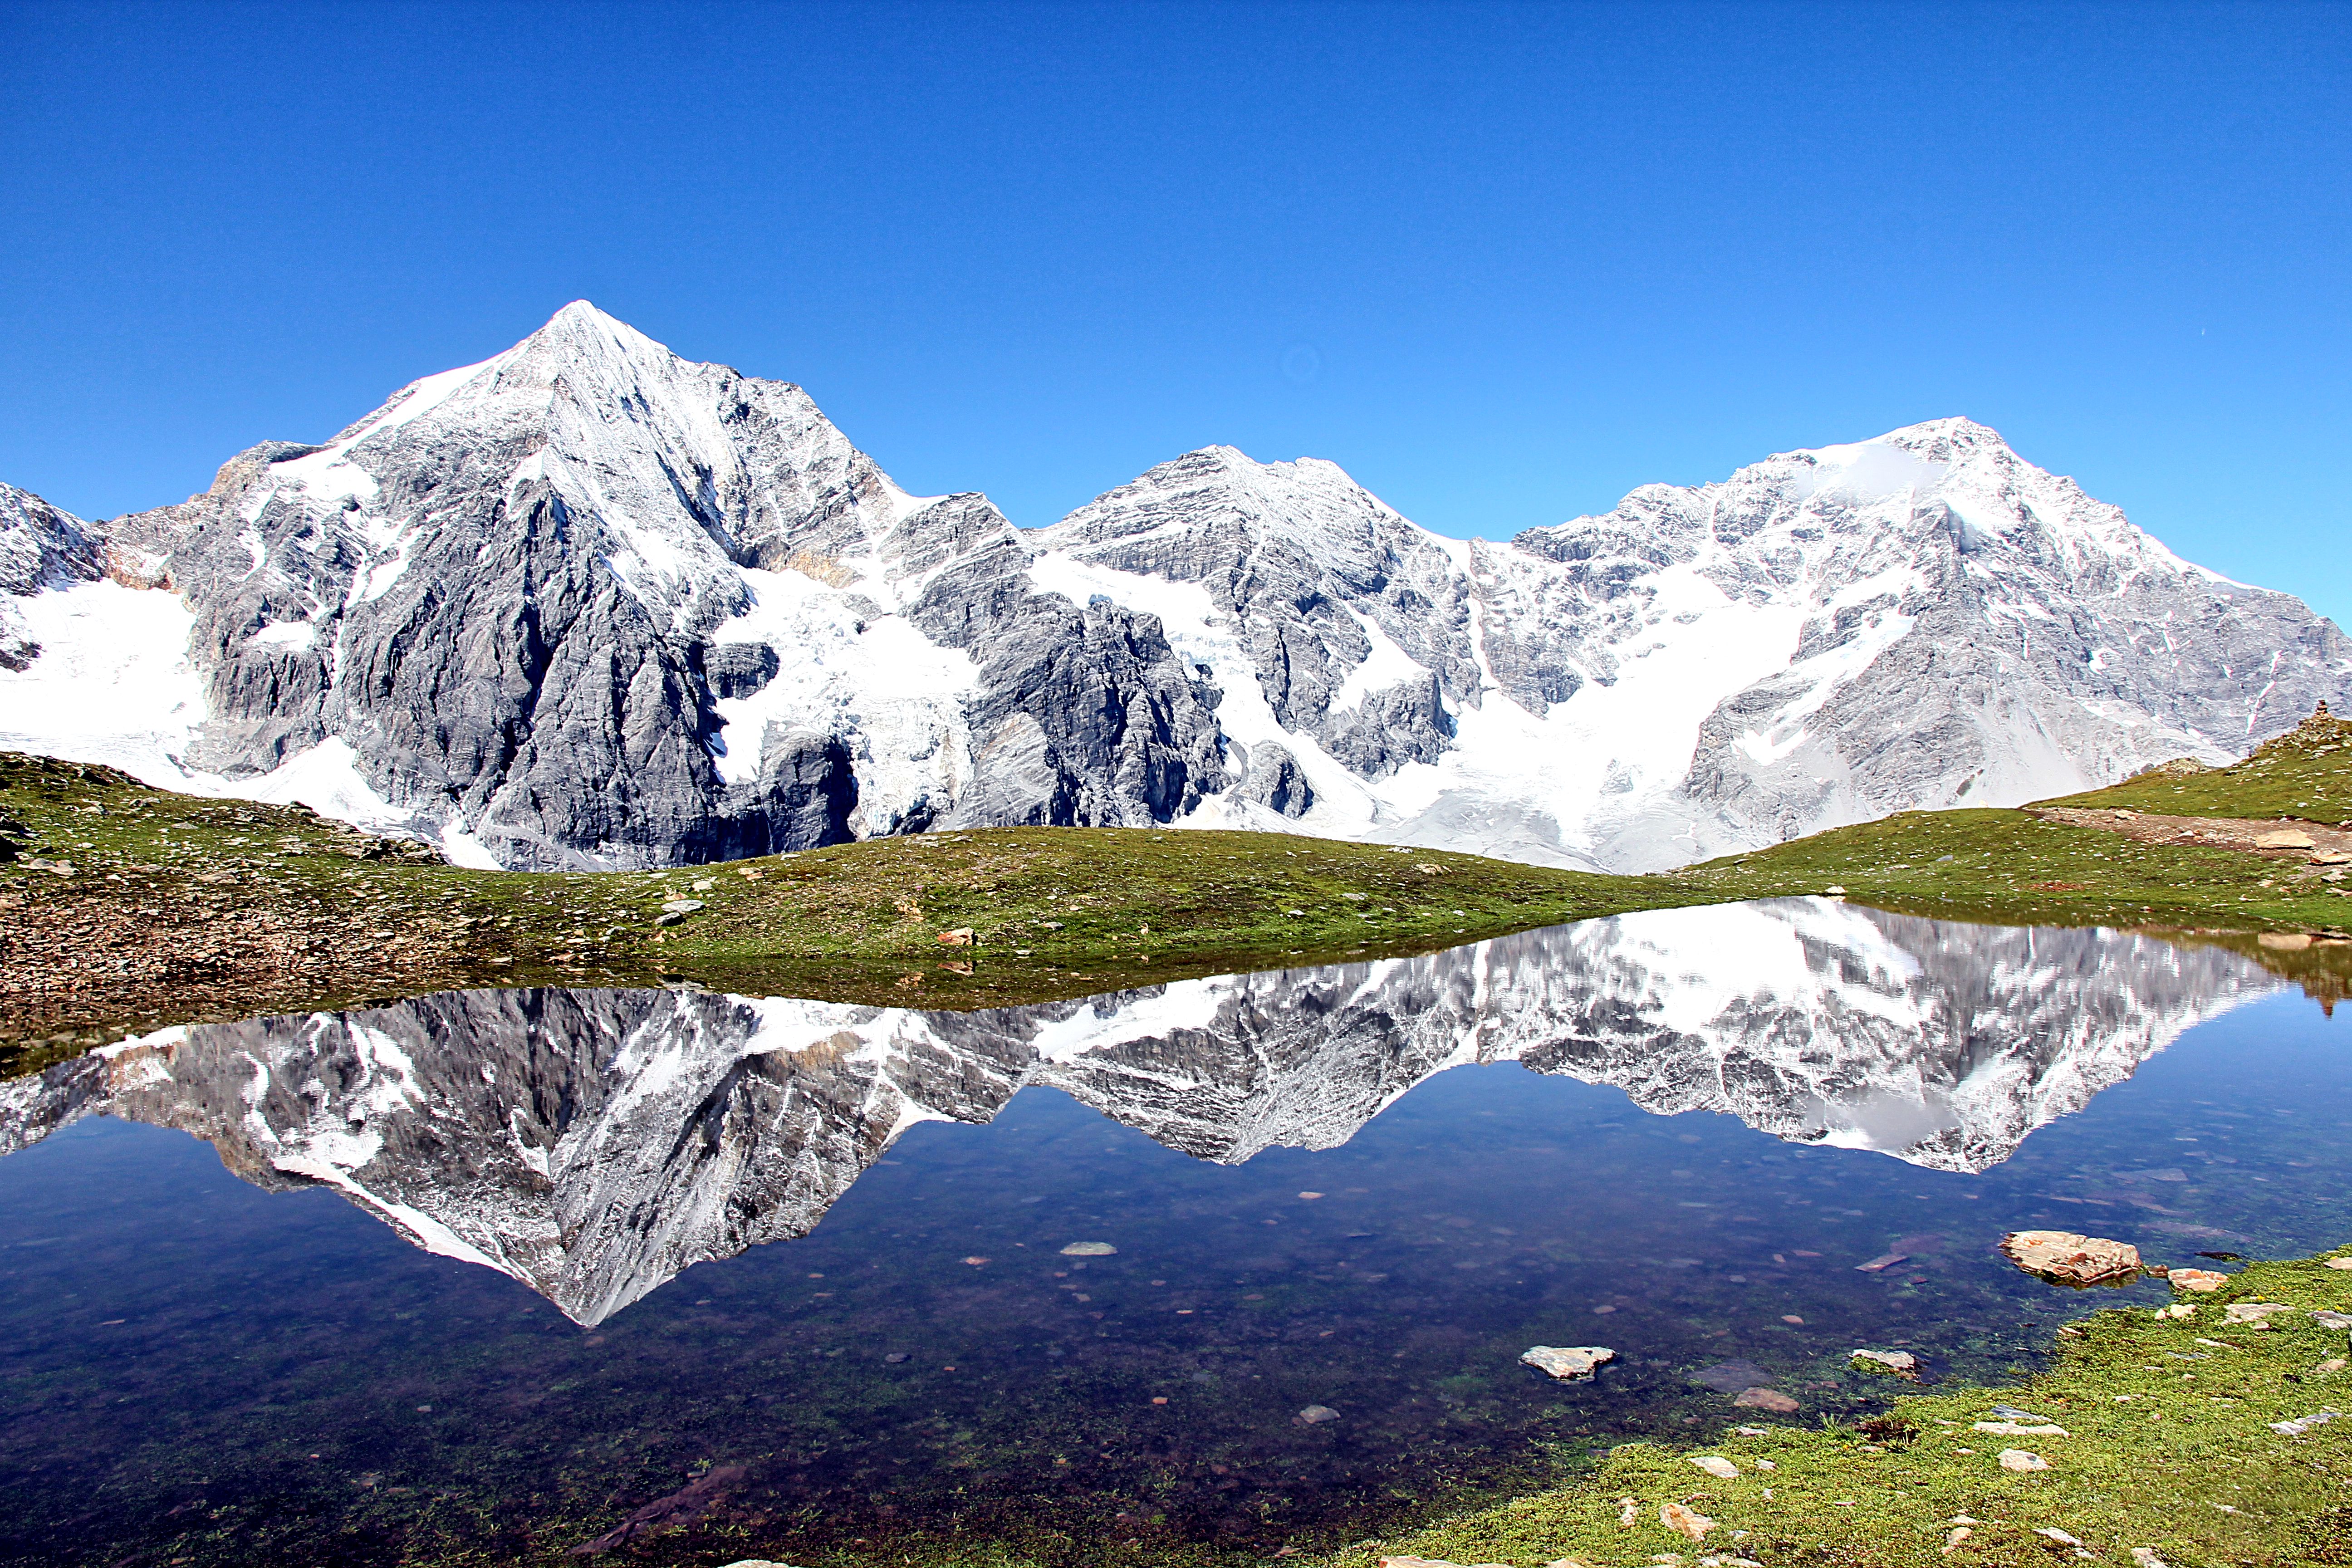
x=684 y=1278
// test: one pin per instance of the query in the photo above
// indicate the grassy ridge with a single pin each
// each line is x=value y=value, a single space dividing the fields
x=126 y=906
x=2305 y=773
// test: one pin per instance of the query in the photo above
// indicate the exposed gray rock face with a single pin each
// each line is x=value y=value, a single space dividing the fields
x=40 y=548
x=594 y=1143
x=1314 y=568
x=506 y=590
x=1273 y=780
x=590 y=605
x=1919 y=621
x=1972 y=630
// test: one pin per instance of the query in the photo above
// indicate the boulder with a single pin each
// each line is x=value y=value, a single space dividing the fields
x=1901 y=1363
x=2066 y=1259
x=2020 y=1460
x=1569 y=1363
x=2285 y=838
x=2198 y=1279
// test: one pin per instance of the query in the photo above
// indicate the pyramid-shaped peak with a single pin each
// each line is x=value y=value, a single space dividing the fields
x=1944 y=440
x=581 y=327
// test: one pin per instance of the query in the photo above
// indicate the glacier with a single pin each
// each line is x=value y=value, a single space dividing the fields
x=587 y=605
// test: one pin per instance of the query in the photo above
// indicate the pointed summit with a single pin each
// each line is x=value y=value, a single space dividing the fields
x=1942 y=440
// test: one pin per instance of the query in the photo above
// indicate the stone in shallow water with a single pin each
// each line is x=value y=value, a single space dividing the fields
x=1088 y=1249
x=1566 y=1362
x=1902 y=1363
x=1315 y=1415
x=1771 y=1399
x=2069 y=1258
x=1731 y=1376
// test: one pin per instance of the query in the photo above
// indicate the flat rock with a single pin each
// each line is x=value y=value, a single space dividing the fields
x=2250 y=1312
x=2285 y=838
x=1685 y=1521
x=1088 y=1249
x=2198 y=1279
x=1902 y=1363
x=1316 y=1414
x=2022 y=1429
x=2302 y=1424
x=2020 y=1460
x=1566 y=1362
x=1433 y=1562
x=1716 y=1465
x=2068 y=1259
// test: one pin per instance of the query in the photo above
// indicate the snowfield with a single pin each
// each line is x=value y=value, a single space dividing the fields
x=588 y=604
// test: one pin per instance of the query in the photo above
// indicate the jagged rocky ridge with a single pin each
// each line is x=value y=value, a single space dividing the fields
x=594 y=1143
x=591 y=604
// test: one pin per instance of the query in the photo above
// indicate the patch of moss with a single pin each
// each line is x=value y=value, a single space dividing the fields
x=2170 y=1446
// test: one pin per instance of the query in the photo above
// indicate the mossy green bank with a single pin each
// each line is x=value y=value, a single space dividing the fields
x=2168 y=1443
x=122 y=905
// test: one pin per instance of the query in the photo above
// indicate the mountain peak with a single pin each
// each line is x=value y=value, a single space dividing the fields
x=1952 y=428
x=580 y=330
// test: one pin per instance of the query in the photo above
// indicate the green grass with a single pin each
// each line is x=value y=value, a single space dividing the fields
x=182 y=908
x=2012 y=868
x=2169 y=1448
x=2305 y=773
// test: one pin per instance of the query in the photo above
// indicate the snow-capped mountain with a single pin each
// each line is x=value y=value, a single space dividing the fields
x=590 y=605
x=594 y=1143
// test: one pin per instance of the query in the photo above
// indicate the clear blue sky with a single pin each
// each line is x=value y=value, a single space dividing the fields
x=1503 y=263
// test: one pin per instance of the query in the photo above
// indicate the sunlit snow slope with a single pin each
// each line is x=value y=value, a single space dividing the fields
x=588 y=603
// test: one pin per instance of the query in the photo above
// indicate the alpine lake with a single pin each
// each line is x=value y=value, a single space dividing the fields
x=1195 y=1273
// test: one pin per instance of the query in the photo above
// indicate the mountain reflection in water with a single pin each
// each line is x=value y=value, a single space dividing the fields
x=594 y=1143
